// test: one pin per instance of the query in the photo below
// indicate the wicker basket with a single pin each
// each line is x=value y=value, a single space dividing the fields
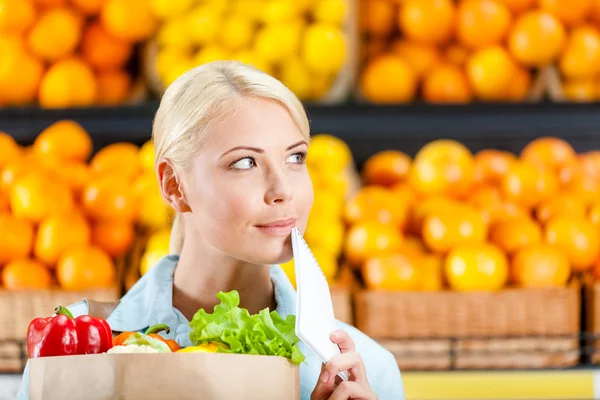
x=592 y=319
x=512 y=328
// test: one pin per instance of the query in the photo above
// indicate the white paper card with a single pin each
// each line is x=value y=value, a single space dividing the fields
x=315 y=319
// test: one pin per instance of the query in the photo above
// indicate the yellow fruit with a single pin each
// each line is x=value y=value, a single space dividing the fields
x=20 y=74
x=237 y=32
x=88 y=7
x=476 y=267
x=290 y=272
x=176 y=70
x=580 y=90
x=324 y=48
x=537 y=38
x=204 y=24
x=328 y=154
x=211 y=53
x=250 y=57
x=174 y=35
x=279 y=11
x=327 y=235
x=34 y=197
x=167 y=9
x=153 y=212
x=50 y=43
x=68 y=83
x=16 y=16
x=278 y=42
x=333 y=11
x=297 y=78
x=64 y=140
x=130 y=20
x=388 y=79
x=149 y=260
x=570 y=12
x=147 y=156
x=490 y=71
x=167 y=58
x=327 y=261
x=581 y=58
x=159 y=241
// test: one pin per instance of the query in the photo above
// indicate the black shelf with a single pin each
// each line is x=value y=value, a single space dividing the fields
x=366 y=128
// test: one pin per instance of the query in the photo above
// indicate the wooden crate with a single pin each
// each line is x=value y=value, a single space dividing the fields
x=511 y=328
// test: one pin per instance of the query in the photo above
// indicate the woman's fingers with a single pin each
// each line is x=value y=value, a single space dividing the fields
x=352 y=390
x=351 y=362
x=325 y=385
x=343 y=340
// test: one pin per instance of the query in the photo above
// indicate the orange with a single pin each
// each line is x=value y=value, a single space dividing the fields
x=507 y=211
x=376 y=204
x=20 y=73
x=392 y=272
x=456 y=54
x=129 y=20
x=16 y=16
x=368 y=239
x=50 y=43
x=447 y=84
x=88 y=7
x=595 y=13
x=578 y=238
x=386 y=168
x=68 y=83
x=482 y=22
x=4 y=202
x=594 y=213
x=34 y=196
x=422 y=57
x=103 y=50
x=541 y=265
x=432 y=273
x=528 y=184
x=117 y=158
x=563 y=204
x=388 y=79
x=537 y=38
x=571 y=12
x=9 y=149
x=580 y=90
x=548 y=152
x=590 y=163
x=16 y=238
x=404 y=193
x=413 y=246
x=427 y=21
x=443 y=231
x=491 y=71
x=13 y=170
x=581 y=57
x=373 y=48
x=110 y=198
x=50 y=3
x=513 y=235
x=487 y=199
x=114 y=237
x=378 y=17
x=85 y=268
x=422 y=209
x=64 y=140
x=476 y=267
x=587 y=189
x=443 y=167
x=492 y=165
x=74 y=175
x=59 y=233
x=113 y=87
x=26 y=274
x=518 y=89
x=518 y=6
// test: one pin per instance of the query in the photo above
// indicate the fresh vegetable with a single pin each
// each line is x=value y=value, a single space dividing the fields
x=63 y=335
x=152 y=332
x=209 y=347
x=265 y=333
x=141 y=343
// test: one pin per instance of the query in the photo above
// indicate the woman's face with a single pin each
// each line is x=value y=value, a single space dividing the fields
x=249 y=185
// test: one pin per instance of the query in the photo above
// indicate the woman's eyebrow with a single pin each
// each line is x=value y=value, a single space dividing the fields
x=296 y=145
x=254 y=149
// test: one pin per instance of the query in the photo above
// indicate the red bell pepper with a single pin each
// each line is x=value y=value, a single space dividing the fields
x=63 y=335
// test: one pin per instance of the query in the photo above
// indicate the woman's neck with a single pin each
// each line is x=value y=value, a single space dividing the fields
x=202 y=272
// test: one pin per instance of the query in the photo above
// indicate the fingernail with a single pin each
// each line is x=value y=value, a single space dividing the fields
x=325 y=377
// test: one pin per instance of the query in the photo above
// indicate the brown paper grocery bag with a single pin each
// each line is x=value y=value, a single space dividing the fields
x=164 y=376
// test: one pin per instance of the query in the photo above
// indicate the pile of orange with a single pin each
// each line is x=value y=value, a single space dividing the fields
x=450 y=218
x=66 y=218
x=69 y=53
x=454 y=51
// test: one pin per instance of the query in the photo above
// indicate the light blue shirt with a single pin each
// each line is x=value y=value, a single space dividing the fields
x=150 y=302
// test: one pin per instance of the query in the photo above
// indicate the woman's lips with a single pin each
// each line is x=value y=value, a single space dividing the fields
x=283 y=227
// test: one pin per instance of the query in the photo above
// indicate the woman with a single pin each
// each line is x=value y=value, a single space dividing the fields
x=230 y=148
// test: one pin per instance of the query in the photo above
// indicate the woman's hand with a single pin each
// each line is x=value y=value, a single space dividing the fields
x=331 y=387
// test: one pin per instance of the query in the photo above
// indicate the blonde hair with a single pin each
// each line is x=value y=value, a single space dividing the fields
x=204 y=96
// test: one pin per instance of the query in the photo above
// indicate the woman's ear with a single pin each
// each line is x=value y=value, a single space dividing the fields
x=171 y=186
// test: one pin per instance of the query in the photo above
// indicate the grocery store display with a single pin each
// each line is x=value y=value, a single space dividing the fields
x=70 y=54
x=447 y=51
x=307 y=45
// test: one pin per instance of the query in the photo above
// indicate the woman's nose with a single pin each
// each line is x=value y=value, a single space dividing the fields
x=279 y=187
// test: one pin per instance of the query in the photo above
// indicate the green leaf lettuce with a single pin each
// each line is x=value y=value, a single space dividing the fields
x=265 y=333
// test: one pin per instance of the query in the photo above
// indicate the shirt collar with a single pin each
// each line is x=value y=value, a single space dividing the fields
x=150 y=300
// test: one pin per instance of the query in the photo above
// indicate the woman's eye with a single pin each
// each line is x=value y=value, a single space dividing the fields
x=297 y=158
x=244 y=163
